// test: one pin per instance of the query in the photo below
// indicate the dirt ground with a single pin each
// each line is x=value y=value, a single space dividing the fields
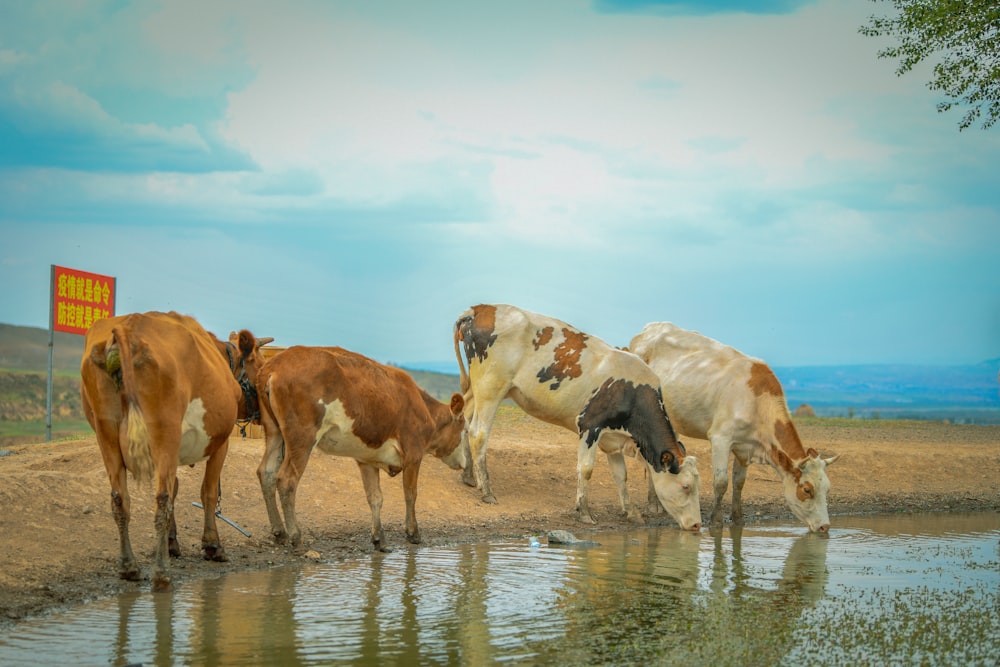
x=59 y=546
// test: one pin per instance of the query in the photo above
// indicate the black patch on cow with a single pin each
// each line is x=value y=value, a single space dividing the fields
x=478 y=332
x=638 y=410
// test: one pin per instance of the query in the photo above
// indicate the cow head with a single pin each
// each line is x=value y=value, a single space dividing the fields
x=245 y=363
x=447 y=439
x=680 y=493
x=806 y=490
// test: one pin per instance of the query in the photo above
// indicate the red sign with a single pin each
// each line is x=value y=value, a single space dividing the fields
x=79 y=299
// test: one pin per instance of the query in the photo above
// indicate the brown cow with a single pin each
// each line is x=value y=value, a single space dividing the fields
x=161 y=392
x=349 y=405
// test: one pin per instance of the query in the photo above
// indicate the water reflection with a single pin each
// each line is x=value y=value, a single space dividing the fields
x=737 y=595
x=750 y=596
x=804 y=574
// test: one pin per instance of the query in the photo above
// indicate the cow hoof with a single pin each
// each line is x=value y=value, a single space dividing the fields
x=174 y=549
x=413 y=539
x=635 y=518
x=469 y=480
x=161 y=584
x=490 y=499
x=280 y=537
x=585 y=518
x=130 y=574
x=214 y=552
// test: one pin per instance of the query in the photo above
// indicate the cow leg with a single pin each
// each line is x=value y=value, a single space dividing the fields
x=373 y=491
x=479 y=435
x=613 y=445
x=586 y=454
x=109 y=436
x=720 y=469
x=739 y=479
x=161 y=522
x=620 y=475
x=173 y=546
x=211 y=546
x=267 y=472
x=128 y=567
x=289 y=475
x=410 y=474
x=468 y=473
x=653 y=504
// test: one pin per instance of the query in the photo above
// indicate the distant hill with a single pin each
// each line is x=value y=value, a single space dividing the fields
x=894 y=389
x=27 y=349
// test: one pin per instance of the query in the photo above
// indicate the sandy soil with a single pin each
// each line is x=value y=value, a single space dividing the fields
x=59 y=546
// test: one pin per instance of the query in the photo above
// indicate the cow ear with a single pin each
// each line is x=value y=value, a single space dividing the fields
x=247 y=342
x=812 y=453
x=457 y=404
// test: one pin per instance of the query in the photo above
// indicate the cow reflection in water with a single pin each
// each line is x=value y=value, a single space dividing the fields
x=129 y=648
x=242 y=618
x=769 y=613
x=803 y=579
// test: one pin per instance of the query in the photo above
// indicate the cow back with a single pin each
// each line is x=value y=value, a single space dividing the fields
x=383 y=403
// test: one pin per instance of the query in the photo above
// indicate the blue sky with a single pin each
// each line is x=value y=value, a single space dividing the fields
x=359 y=173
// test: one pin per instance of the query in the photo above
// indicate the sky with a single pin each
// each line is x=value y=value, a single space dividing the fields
x=358 y=173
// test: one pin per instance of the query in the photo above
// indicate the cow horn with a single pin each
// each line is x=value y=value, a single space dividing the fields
x=831 y=460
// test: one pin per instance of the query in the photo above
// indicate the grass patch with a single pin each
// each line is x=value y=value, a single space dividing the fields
x=27 y=432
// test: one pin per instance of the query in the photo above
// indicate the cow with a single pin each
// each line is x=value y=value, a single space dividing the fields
x=161 y=392
x=349 y=405
x=562 y=376
x=715 y=392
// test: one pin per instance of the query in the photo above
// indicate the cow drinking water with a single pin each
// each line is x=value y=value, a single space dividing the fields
x=563 y=376
x=715 y=392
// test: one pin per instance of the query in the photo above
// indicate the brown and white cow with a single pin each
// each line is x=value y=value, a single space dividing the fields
x=565 y=377
x=716 y=392
x=349 y=405
x=161 y=392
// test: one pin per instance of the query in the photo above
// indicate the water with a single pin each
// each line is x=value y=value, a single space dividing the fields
x=913 y=589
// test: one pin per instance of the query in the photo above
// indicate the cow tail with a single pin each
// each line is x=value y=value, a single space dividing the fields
x=140 y=462
x=463 y=376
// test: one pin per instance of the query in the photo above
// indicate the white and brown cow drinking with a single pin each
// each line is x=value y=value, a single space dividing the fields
x=716 y=392
x=565 y=377
x=349 y=405
x=161 y=392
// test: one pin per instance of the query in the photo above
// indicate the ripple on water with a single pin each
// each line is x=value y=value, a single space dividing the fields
x=637 y=593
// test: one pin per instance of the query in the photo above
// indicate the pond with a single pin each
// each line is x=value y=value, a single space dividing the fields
x=906 y=589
